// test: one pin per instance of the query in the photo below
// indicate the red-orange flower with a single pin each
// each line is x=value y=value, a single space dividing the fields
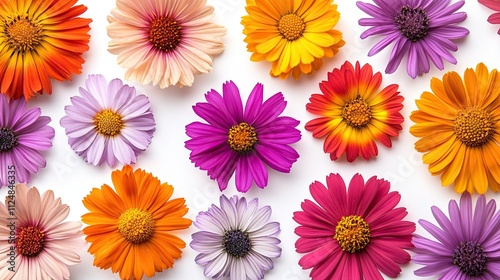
x=40 y=40
x=354 y=113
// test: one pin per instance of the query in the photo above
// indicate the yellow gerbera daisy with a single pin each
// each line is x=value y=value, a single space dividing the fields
x=459 y=126
x=293 y=35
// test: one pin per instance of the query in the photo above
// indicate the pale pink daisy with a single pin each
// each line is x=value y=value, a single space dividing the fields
x=32 y=228
x=164 y=42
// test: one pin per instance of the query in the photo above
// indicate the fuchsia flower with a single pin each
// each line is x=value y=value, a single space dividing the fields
x=495 y=6
x=242 y=140
x=353 y=234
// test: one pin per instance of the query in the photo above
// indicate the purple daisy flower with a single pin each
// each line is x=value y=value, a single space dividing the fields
x=422 y=28
x=466 y=245
x=236 y=240
x=23 y=135
x=242 y=139
x=108 y=122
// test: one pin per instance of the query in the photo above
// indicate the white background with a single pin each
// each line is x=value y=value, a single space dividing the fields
x=167 y=158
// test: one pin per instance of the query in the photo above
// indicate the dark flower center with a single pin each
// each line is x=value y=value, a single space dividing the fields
x=236 y=243
x=30 y=241
x=164 y=34
x=136 y=226
x=357 y=112
x=291 y=27
x=470 y=258
x=22 y=33
x=242 y=137
x=353 y=233
x=8 y=139
x=412 y=22
x=474 y=126
x=108 y=123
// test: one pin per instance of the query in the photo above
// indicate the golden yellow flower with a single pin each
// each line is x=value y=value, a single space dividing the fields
x=293 y=35
x=458 y=124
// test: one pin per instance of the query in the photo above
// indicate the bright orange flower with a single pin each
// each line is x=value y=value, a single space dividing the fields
x=354 y=113
x=130 y=229
x=39 y=40
x=459 y=126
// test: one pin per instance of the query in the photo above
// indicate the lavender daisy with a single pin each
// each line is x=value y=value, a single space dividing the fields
x=108 y=122
x=236 y=240
x=466 y=245
x=23 y=135
x=424 y=29
x=242 y=139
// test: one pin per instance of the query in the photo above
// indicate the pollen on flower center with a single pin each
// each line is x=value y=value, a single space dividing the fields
x=136 y=226
x=242 y=137
x=357 y=112
x=8 y=139
x=108 y=123
x=164 y=34
x=30 y=241
x=236 y=243
x=474 y=126
x=413 y=23
x=352 y=233
x=470 y=258
x=22 y=33
x=291 y=27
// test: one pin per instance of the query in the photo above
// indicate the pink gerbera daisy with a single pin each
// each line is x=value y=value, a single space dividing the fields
x=164 y=42
x=32 y=228
x=353 y=234
x=495 y=6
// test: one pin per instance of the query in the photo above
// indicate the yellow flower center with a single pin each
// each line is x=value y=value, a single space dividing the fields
x=30 y=241
x=357 y=112
x=352 y=233
x=242 y=137
x=136 y=226
x=22 y=33
x=291 y=27
x=164 y=34
x=108 y=123
x=474 y=126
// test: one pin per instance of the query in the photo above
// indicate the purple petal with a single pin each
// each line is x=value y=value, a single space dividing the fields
x=232 y=98
x=383 y=43
x=258 y=170
x=243 y=176
x=270 y=110
x=254 y=103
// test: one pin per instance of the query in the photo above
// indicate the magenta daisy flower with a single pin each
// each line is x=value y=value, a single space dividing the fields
x=464 y=245
x=108 y=122
x=495 y=6
x=33 y=230
x=236 y=240
x=23 y=135
x=242 y=139
x=355 y=234
x=424 y=30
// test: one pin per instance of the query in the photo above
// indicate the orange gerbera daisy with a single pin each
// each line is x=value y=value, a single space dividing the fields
x=39 y=40
x=130 y=229
x=354 y=113
x=293 y=35
x=459 y=125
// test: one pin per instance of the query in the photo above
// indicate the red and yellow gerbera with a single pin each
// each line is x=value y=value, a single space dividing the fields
x=354 y=113
x=40 y=40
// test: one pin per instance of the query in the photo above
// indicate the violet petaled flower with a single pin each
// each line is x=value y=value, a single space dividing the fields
x=242 y=140
x=465 y=245
x=424 y=30
x=236 y=239
x=108 y=122
x=23 y=135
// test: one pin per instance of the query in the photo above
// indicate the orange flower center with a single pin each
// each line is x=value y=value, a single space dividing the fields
x=136 y=226
x=291 y=27
x=30 y=241
x=357 y=112
x=353 y=233
x=108 y=123
x=22 y=33
x=242 y=137
x=164 y=34
x=474 y=126
x=8 y=139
